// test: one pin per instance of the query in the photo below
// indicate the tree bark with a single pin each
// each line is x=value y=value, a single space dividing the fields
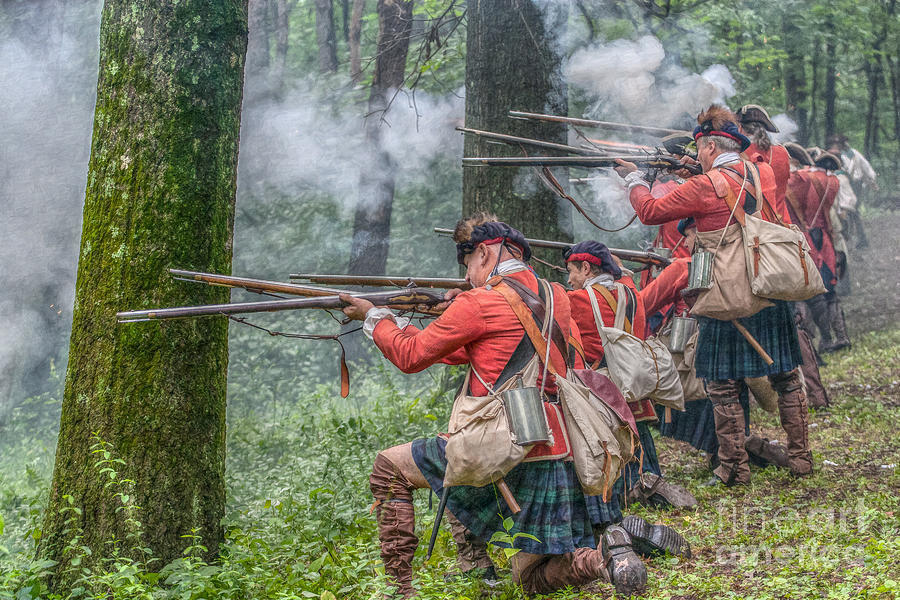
x=372 y=218
x=830 y=81
x=513 y=63
x=325 y=36
x=355 y=32
x=795 y=93
x=160 y=193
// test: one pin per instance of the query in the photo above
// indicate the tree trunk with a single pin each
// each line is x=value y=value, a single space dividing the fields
x=513 y=63
x=894 y=68
x=355 y=32
x=830 y=82
x=282 y=31
x=795 y=93
x=325 y=36
x=160 y=193
x=814 y=93
x=372 y=219
x=345 y=19
x=874 y=76
x=258 y=44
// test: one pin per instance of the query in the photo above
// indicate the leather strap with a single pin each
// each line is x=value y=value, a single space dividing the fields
x=614 y=305
x=823 y=194
x=526 y=318
x=537 y=306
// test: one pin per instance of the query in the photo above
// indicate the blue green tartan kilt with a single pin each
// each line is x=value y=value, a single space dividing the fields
x=723 y=353
x=552 y=501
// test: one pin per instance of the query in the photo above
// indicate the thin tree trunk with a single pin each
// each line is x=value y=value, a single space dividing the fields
x=345 y=19
x=830 y=82
x=795 y=94
x=513 y=63
x=372 y=219
x=814 y=93
x=874 y=77
x=325 y=36
x=894 y=68
x=355 y=32
x=282 y=31
x=160 y=193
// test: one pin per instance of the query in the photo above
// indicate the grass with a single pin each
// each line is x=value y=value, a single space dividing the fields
x=299 y=526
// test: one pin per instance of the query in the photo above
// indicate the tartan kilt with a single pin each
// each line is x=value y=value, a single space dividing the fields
x=723 y=353
x=552 y=501
x=696 y=426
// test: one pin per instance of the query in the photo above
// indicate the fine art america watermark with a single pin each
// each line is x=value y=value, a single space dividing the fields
x=762 y=526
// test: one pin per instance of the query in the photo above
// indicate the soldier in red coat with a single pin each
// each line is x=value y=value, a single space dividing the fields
x=756 y=125
x=826 y=309
x=724 y=358
x=593 y=271
x=480 y=328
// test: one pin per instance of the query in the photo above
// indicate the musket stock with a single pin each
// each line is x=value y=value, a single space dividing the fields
x=647 y=258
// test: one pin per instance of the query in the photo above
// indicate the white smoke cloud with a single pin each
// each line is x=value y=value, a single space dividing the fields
x=787 y=129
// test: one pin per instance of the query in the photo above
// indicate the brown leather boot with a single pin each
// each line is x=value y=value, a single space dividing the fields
x=734 y=465
x=396 y=522
x=836 y=314
x=654 y=540
x=794 y=415
x=471 y=553
x=766 y=452
x=654 y=490
x=819 y=311
x=816 y=394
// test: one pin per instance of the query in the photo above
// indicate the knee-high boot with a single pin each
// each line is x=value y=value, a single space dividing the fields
x=836 y=314
x=818 y=309
x=816 y=393
x=734 y=464
x=471 y=553
x=396 y=522
x=792 y=409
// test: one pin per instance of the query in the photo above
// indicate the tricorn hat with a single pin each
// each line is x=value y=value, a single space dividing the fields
x=753 y=113
x=828 y=161
x=799 y=153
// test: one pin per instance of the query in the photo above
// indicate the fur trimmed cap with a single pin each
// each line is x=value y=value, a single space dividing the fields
x=753 y=113
x=718 y=120
x=594 y=253
x=493 y=232
x=799 y=153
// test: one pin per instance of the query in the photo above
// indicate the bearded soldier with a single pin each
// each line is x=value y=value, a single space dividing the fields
x=724 y=357
x=481 y=328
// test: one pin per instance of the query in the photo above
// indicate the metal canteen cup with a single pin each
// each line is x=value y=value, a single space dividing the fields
x=666 y=252
x=699 y=275
x=525 y=414
x=682 y=330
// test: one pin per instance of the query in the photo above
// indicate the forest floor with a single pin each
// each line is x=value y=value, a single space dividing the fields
x=299 y=525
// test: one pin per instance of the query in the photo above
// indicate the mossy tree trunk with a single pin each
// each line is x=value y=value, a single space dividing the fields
x=160 y=193
x=513 y=63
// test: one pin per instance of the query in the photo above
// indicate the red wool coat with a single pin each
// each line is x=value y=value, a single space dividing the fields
x=697 y=198
x=816 y=214
x=778 y=158
x=665 y=290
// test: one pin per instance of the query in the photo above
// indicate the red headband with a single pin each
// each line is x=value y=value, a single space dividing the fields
x=587 y=257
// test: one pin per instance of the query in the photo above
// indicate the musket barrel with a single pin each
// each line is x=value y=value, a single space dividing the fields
x=254 y=285
x=629 y=255
x=384 y=280
x=408 y=300
x=512 y=139
x=609 y=125
x=588 y=162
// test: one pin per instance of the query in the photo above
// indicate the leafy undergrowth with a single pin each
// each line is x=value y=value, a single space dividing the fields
x=299 y=524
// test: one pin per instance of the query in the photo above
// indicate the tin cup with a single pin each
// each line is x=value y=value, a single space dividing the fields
x=699 y=275
x=525 y=413
x=664 y=252
x=682 y=330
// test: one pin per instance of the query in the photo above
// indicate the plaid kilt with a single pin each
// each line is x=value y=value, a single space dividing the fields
x=723 y=353
x=552 y=501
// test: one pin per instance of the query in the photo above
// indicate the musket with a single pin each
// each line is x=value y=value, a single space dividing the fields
x=647 y=258
x=515 y=140
x=385 y=280
x=259 y=286
x=409 y=299
x=654 y=131
x=658 y=161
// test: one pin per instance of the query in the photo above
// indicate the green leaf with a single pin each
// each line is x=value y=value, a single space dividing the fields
x=508 y=523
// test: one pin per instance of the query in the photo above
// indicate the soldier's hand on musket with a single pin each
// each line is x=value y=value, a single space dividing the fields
x=624 y=167
x=449 y=295
x=356 y=308
x=684 y=173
